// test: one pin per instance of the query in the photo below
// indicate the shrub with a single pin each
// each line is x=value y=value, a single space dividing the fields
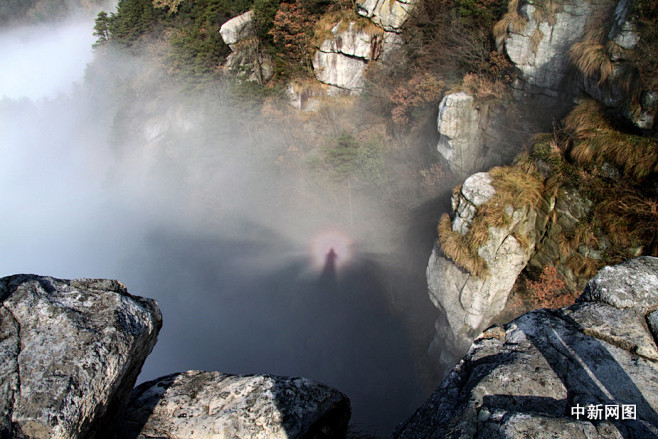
x=291 y=32
x=549 y=291
x=416 y=94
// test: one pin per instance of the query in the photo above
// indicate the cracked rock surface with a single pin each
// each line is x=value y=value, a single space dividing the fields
x=70 y=352
x=196 y=404
x=523 y=379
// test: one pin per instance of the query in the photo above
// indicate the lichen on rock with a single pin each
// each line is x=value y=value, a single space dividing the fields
x=196 y=404
x=72 y=351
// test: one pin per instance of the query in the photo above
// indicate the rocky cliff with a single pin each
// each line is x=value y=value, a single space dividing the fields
x=588 y=370
x=471 y=272
x=71 y=352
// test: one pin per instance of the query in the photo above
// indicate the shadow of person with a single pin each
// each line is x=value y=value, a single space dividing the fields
x=328 y=276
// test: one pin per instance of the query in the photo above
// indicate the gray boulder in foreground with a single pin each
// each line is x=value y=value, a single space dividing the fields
x=196 y=404
x=70 y=352
x=525 y=378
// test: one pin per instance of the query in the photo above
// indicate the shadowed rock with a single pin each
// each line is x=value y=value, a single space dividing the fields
x=524 y=379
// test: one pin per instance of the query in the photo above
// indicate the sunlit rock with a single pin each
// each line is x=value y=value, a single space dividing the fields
x=460 y=140
x=531 y=377
x=471 y=302
x=238 y=28
x=246 y=60
x=341 y=59
x=540 y=48
x=70 y=353
x=390 y=15
x=195 y=404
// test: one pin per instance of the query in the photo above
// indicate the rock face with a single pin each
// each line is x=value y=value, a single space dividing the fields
x=341 y=60
x=197 y=404
x=531 y=377
x=239 y=33
x=570 y=208
x=460 y=140
x=71 y=352
x=390 y=15
x=238 y=28
x=469 y=302
x=540 y=47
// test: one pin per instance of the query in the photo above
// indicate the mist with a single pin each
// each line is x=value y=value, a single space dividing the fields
x=175 y=196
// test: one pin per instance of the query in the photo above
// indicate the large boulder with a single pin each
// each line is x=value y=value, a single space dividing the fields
x=71 y=351
x=460 y=141
x=390 y=15
x=197 y=404
x=238 y=28
x=246 y=58
x=342 y=58
x=538 y=41
x=588 y=370
x=468 y=301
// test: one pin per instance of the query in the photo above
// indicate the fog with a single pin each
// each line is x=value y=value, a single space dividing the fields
x=177 y=198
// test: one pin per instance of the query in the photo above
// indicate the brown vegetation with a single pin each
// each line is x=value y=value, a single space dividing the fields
x=591 y=58
x=549 y=291
x=595 y=141
x=516 y=188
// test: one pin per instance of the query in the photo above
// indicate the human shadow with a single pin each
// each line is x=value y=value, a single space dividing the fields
x=329 y=274
x=248 y=304
x=589 y=372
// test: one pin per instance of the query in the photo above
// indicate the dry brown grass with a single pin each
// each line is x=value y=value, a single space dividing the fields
x=343 y=18
x=456 y=247
x=535 y=39
x=515 y=188
x=547 y=11
x=591 y=58
x=511 y=21
x=584 y=267
x=596 y=141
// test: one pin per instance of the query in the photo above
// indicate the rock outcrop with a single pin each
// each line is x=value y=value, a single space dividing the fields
x=70 y=354
x=390 y=15
x=342 y=59
x=588 y=370
x=197 y=404
x=460 y=141
x=469 y=302
x=570 y=208
x=246 y=59
x=538 y=40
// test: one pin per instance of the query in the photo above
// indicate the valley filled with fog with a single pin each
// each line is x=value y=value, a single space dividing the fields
x=177 y=198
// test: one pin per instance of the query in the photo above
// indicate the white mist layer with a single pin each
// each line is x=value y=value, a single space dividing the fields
x=187 y=210
x=42 y=61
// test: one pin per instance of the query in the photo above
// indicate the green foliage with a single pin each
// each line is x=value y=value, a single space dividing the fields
x=292 y=32
x=102 y=28
x=480 y=12
x=196 y=52
x=132 y=19
x=361 y=162
x=341 y=154
x=264 y=13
